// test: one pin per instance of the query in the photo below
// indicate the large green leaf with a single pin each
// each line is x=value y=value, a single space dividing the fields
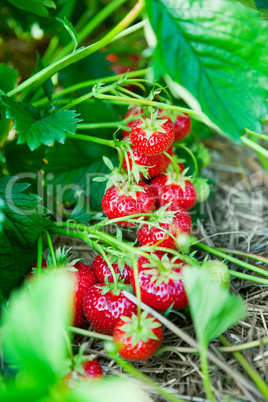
x=38 y=7
x=23 y=223
x=217 y=50
x=35 y=129
x=33 y=337
x=213 y=308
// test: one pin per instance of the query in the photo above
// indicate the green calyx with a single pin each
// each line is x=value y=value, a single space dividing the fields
x=219 y=272
x=140 y=328
x=164 y=272
x=63 y=260
x=152 y=124
x=160 y=216
x=115 y=288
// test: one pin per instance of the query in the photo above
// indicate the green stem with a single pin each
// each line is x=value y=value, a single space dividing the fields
x=256 y=147
x=174 y=164
x=247 y=277
x=204 y=368
x=109 y=143
x=90 y=26
x=90 y=334
x=262 y=136
x=232 y=259
x=244 y=254
x=137 y=287
x=69 y=346
x=106 y=259
x=140 y=376
x=248 y=368
x=113 y=124
x=192 y=156
x=89 y=83
x=39 y=255
x=50 y=246
x=121 y=158
x=243 y=346
x=37 y=79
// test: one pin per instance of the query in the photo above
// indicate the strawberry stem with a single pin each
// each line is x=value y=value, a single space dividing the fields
x=192 y=156
x=69 y=347
x=252 y=373
x=121 y=157
x=174 y=164
x=39 y=255
x=234 y=260
x=50 y=246
x=138 y=289
x=106 y=259
x=90 y=334
x=204 y=368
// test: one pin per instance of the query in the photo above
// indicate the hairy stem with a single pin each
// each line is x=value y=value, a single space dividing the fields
x=90 y=334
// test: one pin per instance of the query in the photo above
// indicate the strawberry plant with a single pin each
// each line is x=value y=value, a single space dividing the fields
x=110 y=115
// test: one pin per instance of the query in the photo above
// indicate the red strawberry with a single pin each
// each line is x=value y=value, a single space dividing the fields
x=102 y=271
x=182 y=127
x=180 y=222
x=161 y=286
x=118 y=203
x=180 y=192
x=156 y=164
x=103 y=310
x=138 y=341
x=85 y=278
x=152 y=136
x=92 y=370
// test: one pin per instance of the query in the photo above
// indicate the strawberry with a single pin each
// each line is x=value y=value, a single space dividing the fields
x=161 y=286
x=102 y=271
x=156 y=164
x=170 y=189
x=219 y=272
x=128 y=200
x=89 y=370
x=175 y=223
x=138 y=340
x=152 y=136
x=182 y=127
x=103 y=307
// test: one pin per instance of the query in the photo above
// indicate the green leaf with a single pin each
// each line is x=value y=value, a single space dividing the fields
x=81 y=209
x=21 y=228
x=8 y=79
x=213 y=309
x=38 y=7
x=213 y=54
x=69 y=26
x=2 y=215
x=47 y=85
x=35 y=130
x=33 y=337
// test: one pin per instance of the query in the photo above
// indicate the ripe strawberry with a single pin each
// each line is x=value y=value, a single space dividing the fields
x=102 y=271
x=176 y=223
x=219 y=272
x=180 y=192
x=161 y=286
x=156 y=164
x=103 y=307
x=138 y=341
x=85 y=278
x=182 y=127
x=152 y=136
x=90 y=370
x=118 y=203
